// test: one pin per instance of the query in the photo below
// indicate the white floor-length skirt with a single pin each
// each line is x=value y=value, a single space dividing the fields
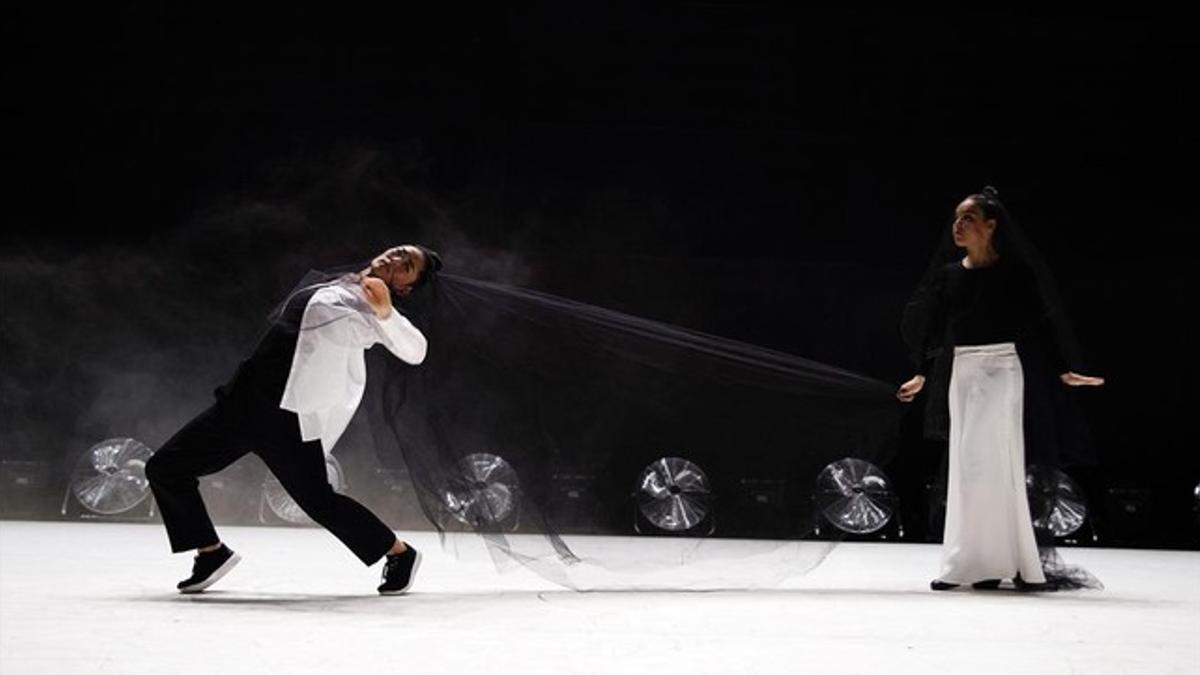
x=989 y=533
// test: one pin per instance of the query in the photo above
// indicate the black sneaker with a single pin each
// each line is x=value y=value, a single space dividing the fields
x=399 y=571
x=208 y=568
x=939 y=585
x=986 y=585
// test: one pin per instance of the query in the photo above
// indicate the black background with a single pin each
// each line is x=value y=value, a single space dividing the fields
x=753 y=170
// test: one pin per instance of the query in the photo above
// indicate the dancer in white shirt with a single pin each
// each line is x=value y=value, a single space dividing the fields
x=289 y=402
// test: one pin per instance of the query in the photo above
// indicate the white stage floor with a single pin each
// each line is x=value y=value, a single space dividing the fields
x=99 y=598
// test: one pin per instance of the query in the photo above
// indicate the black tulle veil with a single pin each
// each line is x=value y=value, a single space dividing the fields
x=521 y=388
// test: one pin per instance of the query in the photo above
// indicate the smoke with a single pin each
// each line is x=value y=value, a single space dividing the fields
x=130 y=340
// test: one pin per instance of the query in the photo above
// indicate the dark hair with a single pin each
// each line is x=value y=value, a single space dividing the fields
x=433 y=263
x=988 y=200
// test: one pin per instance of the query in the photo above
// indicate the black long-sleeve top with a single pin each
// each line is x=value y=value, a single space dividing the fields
x=1005 y=302
x=998 y=303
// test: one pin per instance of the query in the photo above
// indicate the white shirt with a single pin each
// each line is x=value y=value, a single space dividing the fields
x=329 y=372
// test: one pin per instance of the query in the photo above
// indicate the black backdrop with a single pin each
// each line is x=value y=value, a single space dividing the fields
x=171 y=172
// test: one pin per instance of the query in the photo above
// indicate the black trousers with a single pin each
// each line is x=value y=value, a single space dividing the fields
x=227 y=431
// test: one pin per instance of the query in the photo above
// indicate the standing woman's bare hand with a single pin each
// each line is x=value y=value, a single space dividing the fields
x=378 y=296
x=1076 y=380
x=909 y=390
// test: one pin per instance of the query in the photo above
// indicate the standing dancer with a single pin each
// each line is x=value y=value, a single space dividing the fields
x=289 y=402
x=973 y=326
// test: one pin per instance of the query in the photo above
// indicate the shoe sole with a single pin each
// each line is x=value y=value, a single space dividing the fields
x=214 y=577
x=412 y=576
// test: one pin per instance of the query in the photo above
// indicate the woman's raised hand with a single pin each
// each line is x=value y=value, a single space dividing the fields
x=378 y=296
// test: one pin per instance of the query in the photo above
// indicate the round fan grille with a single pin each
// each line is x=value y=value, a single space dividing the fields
x=486 y=491
x=110 y=477
x=855 y=496
x=674 y=494
x=1056 y=502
